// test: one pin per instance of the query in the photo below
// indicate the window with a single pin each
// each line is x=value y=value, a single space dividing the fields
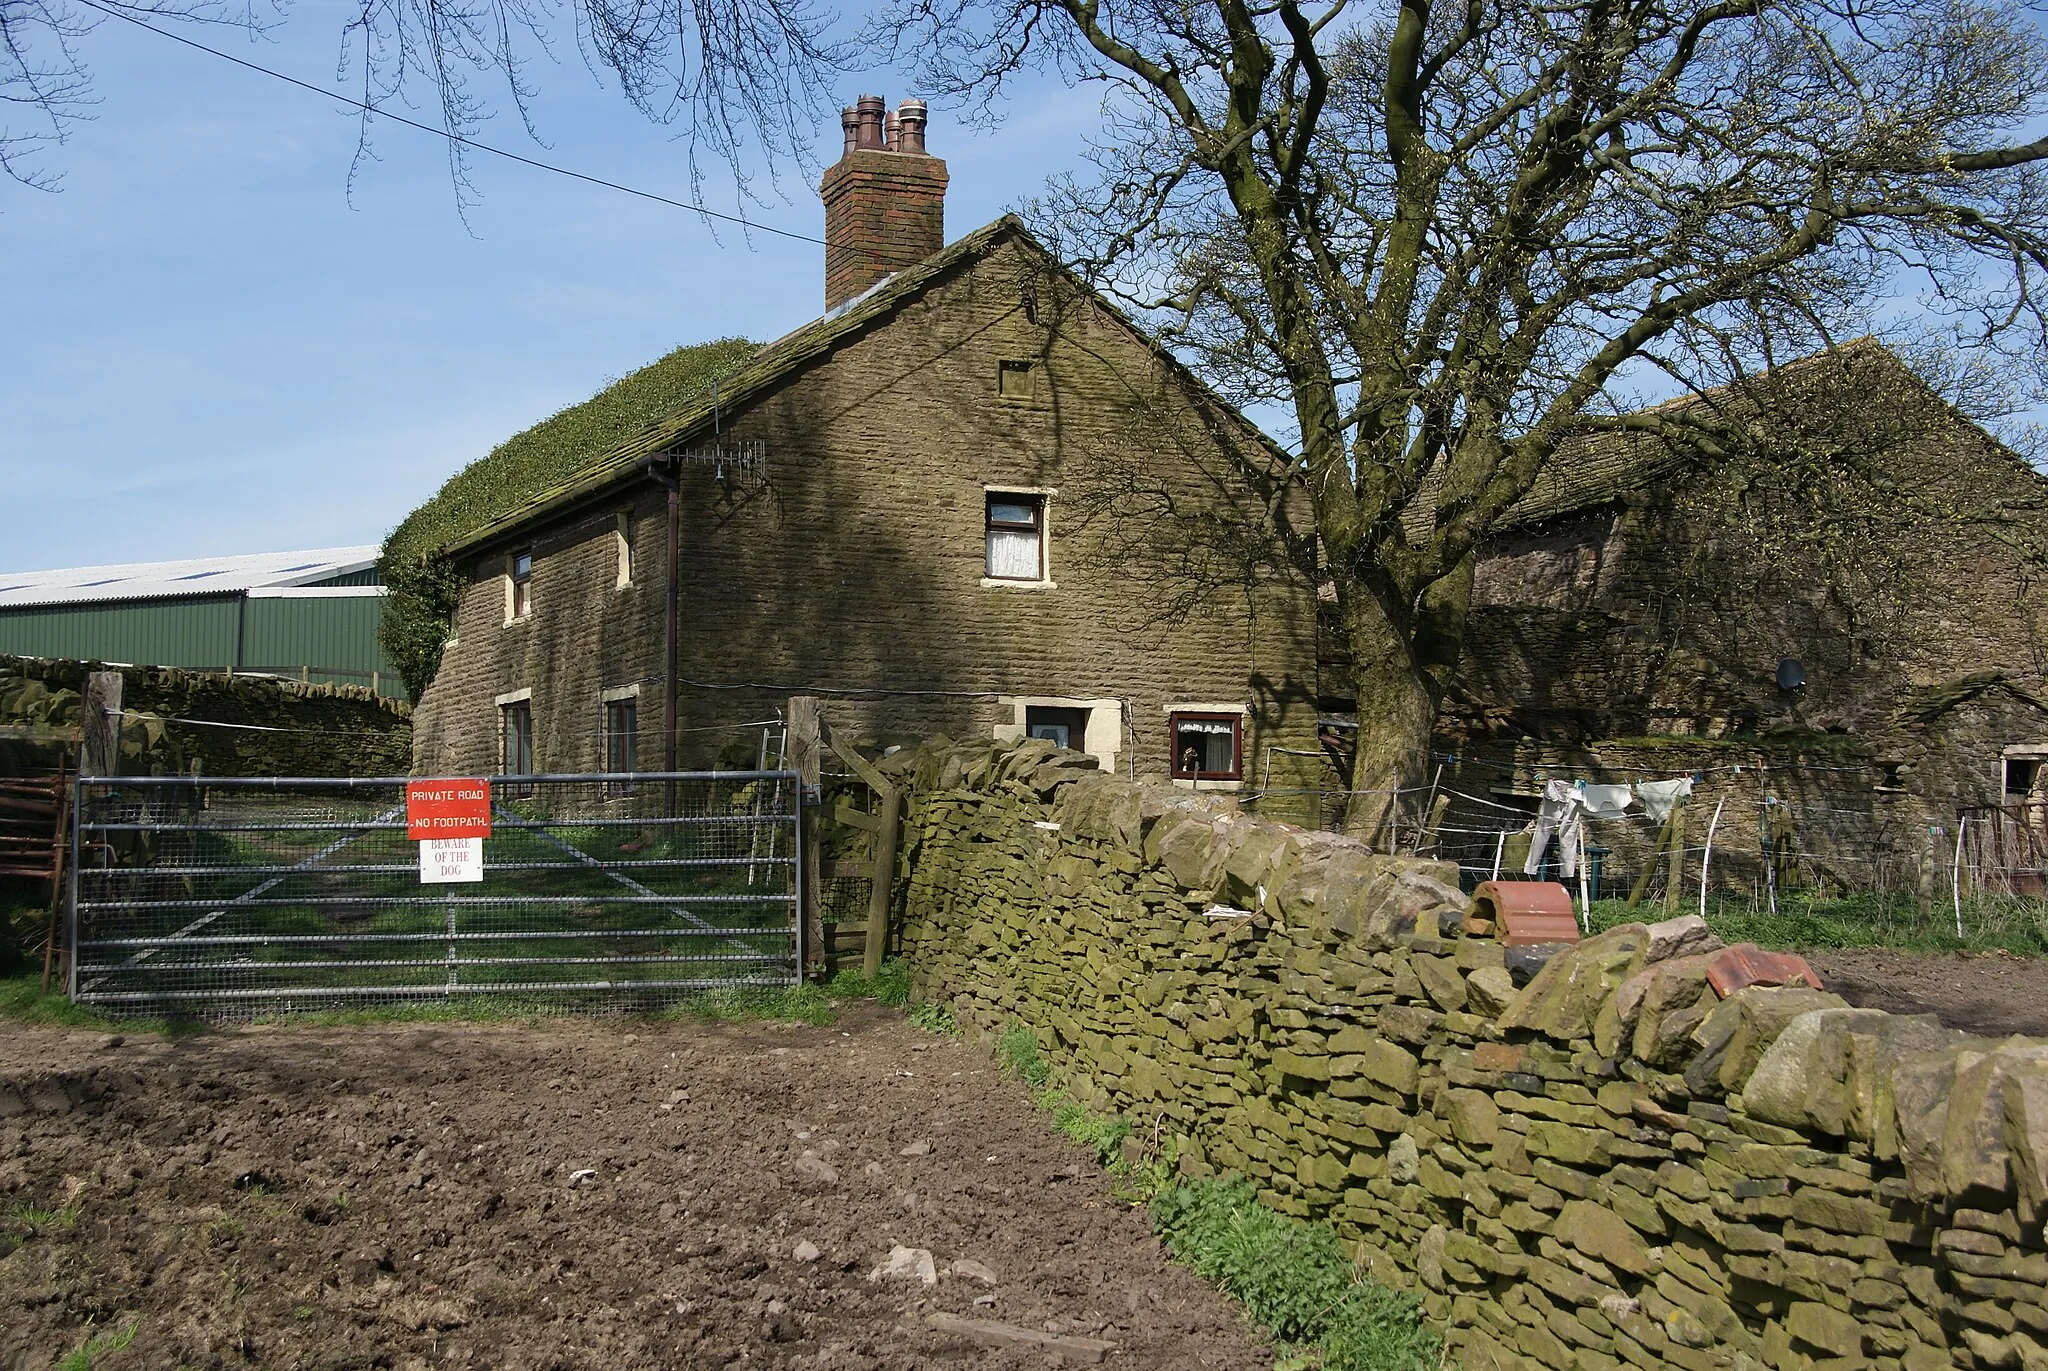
x=1016 y=537
x=1014 y=380
x=625 y=538
x=2022 y=774
x=621 y=742
x=1059 y=725
x=522 y=585
x=515 y=742
x=1207 y=747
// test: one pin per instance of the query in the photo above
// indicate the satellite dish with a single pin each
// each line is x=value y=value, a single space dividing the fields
x=1791 y=675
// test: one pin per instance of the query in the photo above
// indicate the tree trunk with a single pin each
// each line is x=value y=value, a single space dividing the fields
x=1401 y=664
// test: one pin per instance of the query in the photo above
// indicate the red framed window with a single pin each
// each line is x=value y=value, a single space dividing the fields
x=1207 y=747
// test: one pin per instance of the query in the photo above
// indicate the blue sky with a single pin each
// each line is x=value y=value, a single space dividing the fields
x=212 y=345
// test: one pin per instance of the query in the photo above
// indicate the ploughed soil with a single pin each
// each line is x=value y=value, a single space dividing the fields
x=611 y=1194
x=1989 y=993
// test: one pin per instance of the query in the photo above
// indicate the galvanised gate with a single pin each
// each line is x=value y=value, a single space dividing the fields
x=253 y=896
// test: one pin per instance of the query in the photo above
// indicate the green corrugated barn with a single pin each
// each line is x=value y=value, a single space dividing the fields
x=309 y=616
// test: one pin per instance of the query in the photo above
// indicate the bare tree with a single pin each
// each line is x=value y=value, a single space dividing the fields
x=44 y=84
x=1450 y=239
x=745 y=79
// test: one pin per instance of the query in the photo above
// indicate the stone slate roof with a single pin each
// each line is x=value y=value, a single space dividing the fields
x=775 y=363
x=1601 y=468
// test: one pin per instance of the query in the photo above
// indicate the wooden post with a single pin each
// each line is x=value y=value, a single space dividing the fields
x=881 y=881
x=806 y=755
x=1657 y=849
x=1674 y=873
x=60 y=848
x=99 y=752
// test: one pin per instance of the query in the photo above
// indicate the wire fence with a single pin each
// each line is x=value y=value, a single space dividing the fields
x=234 y=897
x=1755 y=850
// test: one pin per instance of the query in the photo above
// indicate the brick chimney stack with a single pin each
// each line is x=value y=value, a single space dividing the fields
x=885 y=198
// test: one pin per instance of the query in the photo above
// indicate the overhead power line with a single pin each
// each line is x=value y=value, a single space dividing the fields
x=692 y=206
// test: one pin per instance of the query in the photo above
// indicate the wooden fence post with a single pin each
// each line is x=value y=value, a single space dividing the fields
x=99 y=752
x=884 y=830
x=806 y=755
x=1674 y=875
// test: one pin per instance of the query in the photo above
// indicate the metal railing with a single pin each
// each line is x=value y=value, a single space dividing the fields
x=264 y=895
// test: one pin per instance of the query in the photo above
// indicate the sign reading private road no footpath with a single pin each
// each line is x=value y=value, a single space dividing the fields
x=448 y=809
x=450 y=819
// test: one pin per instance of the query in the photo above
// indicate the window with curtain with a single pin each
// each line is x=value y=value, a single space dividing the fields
x=1208 y=747
x=1016 y=537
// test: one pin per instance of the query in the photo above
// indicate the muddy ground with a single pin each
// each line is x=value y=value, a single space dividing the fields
x=1991 y=993
x=576 y=1194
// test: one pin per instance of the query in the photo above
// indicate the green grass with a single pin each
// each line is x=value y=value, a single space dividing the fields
x=1104 y=1136
x=1017 y=1054
x=39 y=1219
x=93 y=1348
x=22 y=1001
x=1291 y=1276
x=891 y=985
x=1293 y=1279
x=934 y=1017
x=1808 y=920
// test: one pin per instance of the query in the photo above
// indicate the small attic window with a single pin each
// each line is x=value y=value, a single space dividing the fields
x=1015 y=380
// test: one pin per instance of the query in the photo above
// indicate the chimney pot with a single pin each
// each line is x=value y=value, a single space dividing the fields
x=884 y=198
x=870 y=108
x=910 y=122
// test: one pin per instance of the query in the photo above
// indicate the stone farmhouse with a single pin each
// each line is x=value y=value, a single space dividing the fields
x=1836 y=622
x=924 y=507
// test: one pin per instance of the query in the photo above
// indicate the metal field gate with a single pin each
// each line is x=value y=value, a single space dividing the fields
x=259 y=896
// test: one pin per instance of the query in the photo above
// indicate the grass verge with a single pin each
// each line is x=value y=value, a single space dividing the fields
x=1293 y=1279
x=1290 y=1275
x=22 y=1001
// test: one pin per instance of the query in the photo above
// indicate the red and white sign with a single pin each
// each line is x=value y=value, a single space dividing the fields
x=448 y=809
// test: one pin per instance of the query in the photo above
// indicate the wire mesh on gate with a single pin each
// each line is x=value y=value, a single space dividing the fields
x=261 y=896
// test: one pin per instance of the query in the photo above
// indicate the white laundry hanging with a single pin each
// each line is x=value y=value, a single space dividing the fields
x=1560 y=814
x=1605 y=801
x=1659 y=797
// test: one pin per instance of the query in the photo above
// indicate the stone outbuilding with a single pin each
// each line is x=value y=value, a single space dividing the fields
x=1831 y=617
x=972 y=498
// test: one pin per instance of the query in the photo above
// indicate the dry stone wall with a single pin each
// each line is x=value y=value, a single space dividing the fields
x=1597 y=1164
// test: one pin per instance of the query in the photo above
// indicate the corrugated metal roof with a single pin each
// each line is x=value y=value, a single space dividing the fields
x=164 y=580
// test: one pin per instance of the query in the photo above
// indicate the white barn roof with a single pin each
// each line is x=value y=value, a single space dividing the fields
x=197 y=576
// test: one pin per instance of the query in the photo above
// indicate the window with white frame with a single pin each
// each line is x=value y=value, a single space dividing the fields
x=1016 y=536
x=519 y=604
